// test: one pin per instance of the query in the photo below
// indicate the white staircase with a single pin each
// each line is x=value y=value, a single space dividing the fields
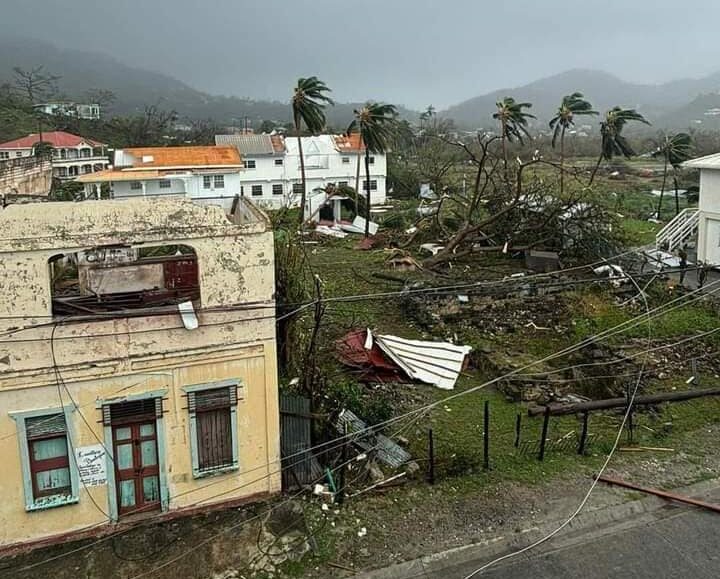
x=683 y=227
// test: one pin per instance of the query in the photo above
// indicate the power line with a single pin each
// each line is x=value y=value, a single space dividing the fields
x=619 y=328
x=586 y=498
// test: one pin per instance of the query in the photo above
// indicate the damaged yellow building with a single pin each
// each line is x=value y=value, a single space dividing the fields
x=137 y=363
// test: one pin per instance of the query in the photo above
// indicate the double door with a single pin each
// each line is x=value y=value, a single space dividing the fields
x=137 y=474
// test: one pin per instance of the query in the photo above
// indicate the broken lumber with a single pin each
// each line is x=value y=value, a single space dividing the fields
x=609 y=403
x=659 y=493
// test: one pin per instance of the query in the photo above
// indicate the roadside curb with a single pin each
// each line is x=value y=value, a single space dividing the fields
x=602 y=518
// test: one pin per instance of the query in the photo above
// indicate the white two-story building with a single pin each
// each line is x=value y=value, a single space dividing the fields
x=272 y=176
x=72 y=155
x=208 y=174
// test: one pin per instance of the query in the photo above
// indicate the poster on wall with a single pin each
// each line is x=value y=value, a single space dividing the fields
x=91 y=465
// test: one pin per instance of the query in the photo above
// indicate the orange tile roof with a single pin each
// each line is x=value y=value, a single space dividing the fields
x=118 y=175
x=207 y=156
x=351 y=142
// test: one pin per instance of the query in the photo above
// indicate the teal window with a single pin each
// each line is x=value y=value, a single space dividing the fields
x=213 y=427
x=49 y=474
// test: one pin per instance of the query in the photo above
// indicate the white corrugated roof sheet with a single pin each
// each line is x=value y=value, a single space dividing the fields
x=437 y=363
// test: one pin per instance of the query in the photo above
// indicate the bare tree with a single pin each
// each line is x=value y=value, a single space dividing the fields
x=35 y=85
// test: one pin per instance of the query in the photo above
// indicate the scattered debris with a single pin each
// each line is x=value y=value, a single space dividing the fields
x=358 y=226
x=333 y=231
x=432 y=248
x=614 y=272
x=386 y=450
x=542 y=261
x=436 y=363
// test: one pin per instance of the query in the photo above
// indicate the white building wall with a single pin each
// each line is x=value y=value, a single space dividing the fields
x=708 y=244
x=190 y=185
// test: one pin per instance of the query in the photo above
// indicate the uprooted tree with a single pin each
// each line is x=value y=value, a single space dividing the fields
x=518 y=206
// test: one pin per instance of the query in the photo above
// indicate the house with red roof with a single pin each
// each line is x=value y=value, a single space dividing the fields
x=72 y=155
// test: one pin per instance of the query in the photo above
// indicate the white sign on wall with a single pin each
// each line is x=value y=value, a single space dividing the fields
x=91 y=465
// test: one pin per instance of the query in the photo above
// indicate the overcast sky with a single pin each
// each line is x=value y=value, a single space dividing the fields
x=412 y=52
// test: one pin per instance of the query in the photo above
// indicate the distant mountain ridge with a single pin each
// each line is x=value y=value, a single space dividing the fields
x=657 y=102
x=675 y=104
x=136 y=87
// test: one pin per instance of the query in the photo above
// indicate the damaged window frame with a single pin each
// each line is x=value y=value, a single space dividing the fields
x=34 y=500
x=175 y=266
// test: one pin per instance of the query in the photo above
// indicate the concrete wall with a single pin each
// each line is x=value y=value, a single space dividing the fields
x=25 y=176
x=94 y=361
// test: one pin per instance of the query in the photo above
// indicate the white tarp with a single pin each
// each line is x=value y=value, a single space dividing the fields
x=436 y=363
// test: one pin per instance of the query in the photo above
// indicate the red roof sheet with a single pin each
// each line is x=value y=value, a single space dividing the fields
x=55 y=138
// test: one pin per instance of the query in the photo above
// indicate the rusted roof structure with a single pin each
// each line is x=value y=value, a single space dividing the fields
x=178 y=157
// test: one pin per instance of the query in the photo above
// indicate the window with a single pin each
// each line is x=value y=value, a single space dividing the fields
x=373 y=185
x=277 y=189
x=135 y=185
x=207 y=182
x=164 y=184
x=297 y=189
x=346 y=160
x=342 y=183
x=278 y=162
x=371 y=160
x=213 y=427
x=257 y=191
x=49 y=480
x=4 y=155
x=219 y=181
x=18 y=153
x=249 y=163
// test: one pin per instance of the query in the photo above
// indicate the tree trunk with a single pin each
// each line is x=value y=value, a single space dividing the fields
x=677 y=195
x=503 y=129
x=357 y=177
x=367 y=192
x=662 y=188
x=303 y=193
x=562 y=160
x=595 y=170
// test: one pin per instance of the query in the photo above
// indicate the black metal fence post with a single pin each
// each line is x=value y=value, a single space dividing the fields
x=518 y=426
x=486 y=436
x=431 y=458
x=583 y=433
x=543 y=438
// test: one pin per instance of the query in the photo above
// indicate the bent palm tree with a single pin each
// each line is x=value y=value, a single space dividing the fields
x=377 y=124
x=513 y=122
x=675 y=150
x=612 y=140
x=571 y=106
x=308 y=101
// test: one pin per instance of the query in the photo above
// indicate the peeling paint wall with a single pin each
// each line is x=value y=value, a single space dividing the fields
x=26 y=176
x=103 y=359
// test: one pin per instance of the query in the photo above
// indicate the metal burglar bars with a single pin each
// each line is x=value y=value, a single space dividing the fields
x=212 y=409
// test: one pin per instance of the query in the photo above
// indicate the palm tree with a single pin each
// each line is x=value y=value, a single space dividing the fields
x=377 y=125
x=571 y=105
x=513 y=122
x=612 y=141
x=675 y=150
x=308 y=101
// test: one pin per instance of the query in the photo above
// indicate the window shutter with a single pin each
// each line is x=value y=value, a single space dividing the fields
x=44 y=426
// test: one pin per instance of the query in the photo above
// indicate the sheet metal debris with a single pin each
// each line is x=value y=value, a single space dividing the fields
x=387 y=451
x=390 y=358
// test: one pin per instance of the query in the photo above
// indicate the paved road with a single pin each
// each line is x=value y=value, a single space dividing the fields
x=683 y=544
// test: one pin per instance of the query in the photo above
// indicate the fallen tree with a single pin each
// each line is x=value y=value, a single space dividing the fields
x=610 y=403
